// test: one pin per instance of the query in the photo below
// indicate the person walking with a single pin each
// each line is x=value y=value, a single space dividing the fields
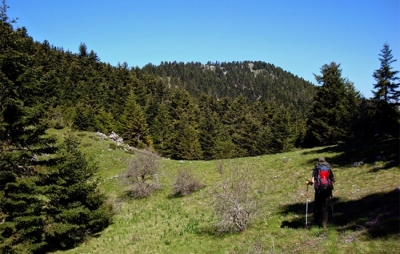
x=322 y=179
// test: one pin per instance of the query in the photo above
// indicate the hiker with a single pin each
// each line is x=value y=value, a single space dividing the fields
x=323 y=179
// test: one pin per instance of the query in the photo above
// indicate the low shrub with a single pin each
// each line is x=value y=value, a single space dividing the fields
x=140 y=189
x=185 y=183
x=140 y=177
x=234 y=202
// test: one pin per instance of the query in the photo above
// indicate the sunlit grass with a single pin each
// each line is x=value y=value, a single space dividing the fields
x=161 y=224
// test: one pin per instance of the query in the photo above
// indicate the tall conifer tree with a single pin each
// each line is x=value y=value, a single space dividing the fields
x=134 y=126
x=161 y=131
x=333 y=108
x=21 y=138
x=72 y=204
x=387 y=85
x=386 y=95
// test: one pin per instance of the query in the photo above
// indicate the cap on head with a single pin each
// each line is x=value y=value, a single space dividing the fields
x=321 y=159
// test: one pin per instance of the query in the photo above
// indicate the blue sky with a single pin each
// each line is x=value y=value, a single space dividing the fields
x=297 y=35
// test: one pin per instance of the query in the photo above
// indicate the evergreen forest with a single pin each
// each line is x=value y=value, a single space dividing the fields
x=182 y=111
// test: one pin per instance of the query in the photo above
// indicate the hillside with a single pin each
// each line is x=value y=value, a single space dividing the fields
x=229 y=177
x=366 y=204
x=256 y=80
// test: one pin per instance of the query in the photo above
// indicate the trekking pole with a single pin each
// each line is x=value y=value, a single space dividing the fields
x=307 y=205
x=332 y=206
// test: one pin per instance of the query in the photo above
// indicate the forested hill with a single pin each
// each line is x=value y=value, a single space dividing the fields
x=183 y=110
x=257 y=81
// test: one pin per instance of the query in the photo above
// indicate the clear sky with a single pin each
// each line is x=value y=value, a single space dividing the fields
x=297 y=35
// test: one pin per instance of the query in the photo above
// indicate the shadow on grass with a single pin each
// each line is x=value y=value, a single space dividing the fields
x=378 y=214
x=368 y=151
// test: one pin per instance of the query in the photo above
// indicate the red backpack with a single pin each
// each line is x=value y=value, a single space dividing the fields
x=324 y=181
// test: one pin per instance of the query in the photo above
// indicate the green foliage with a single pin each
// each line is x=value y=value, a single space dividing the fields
x=283 y=131
x=161 y=131
x=22 y=130
x=134 y=126
x=84 y=118
x=333 y=109
x=55 y=117
x=74 y=206
x=255 y=80
x=104 y=121
x=387 y=86
x=386 y=92
x=214 y=139
x=184 y=139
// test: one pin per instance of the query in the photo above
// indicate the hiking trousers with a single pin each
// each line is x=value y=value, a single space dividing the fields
x=321 y=208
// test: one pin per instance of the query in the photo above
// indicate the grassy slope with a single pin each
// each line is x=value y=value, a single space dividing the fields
x=366 y=208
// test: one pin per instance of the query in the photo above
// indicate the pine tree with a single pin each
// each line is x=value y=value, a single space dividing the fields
x=187 y=142
x=333 y=108
x=134 y=126
x=235 y=120
x=23 y=196
x=104 y=121
x=214 y=139
x=386 y=95
x=73 y=206
x=387 y=86
x=161 y=131
x=21 y=140
x=184 y=140
x=282 y=132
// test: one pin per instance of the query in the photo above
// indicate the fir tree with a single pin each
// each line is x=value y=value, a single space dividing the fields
x=161 y=131
x=23 y=196
x=104 y=121
x=387 y=87
x=386 y=92
x=233 y=119
x=333 y=108
x=214 y=139
x=134 y=126
x=73 y=206
x=283 y=133
x=187 y=142
x=22 y=138
x=184 y=139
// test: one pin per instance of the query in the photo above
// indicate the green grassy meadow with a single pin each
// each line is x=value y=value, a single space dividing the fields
x=366 y=204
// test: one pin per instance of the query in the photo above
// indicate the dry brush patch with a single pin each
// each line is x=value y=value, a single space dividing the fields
x=141 y=177
x=185 y=183
x=235 y=201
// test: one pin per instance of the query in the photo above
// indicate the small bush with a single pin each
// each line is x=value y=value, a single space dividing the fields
x=234 y=202
x=140 y=190
x=112 y=146
x=185 y=183
x=140 y=177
